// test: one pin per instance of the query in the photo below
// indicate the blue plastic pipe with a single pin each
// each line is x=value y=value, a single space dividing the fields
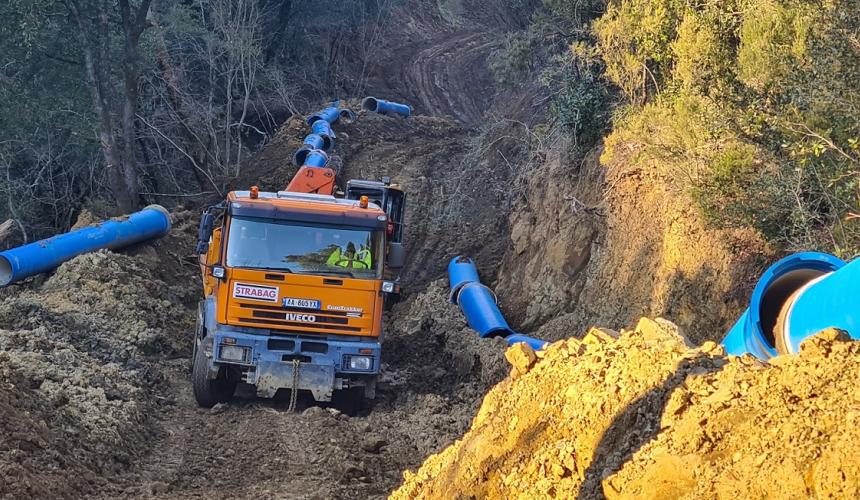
x=311 y=143
x=323 y=129
x=316 y=141
x=461 y=271
x=28 y=260
x=478 y=304
x=316 y=158
x=797 y=297
x=536 y=344
x=386 y=107
x=329 y=115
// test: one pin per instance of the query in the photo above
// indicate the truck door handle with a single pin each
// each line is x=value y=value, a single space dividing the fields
x=329 y=281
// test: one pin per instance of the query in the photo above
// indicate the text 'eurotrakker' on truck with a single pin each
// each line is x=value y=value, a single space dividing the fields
x=295 y=282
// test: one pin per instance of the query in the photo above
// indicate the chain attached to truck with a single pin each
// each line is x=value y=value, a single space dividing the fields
x=294 y=391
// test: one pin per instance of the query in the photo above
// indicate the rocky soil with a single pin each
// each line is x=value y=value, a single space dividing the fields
x=95 y=398
x=644 y=415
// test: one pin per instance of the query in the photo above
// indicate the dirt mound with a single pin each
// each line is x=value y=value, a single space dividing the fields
x=645 y=415
x=76 y=373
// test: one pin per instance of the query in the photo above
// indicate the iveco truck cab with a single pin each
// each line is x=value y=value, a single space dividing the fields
x=294 y=286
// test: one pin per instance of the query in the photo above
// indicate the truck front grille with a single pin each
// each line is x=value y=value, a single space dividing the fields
x=293 y=318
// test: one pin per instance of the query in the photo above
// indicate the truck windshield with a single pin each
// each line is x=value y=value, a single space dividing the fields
x=304 y=249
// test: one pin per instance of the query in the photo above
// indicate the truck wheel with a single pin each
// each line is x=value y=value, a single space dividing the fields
x=209 y=392
x=349 y=401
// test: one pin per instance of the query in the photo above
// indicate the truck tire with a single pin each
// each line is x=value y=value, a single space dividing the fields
x=209 y=392
x=349 y=401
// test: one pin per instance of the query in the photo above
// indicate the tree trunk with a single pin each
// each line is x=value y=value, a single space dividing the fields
x=277 y=31
x=93 y=29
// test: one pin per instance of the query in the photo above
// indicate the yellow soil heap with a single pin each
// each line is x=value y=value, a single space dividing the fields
x=646 y=415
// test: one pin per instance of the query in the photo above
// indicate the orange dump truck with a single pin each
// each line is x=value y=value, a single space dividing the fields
x=294 y=288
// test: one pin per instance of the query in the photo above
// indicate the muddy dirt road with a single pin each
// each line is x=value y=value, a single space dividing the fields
x=101 y=376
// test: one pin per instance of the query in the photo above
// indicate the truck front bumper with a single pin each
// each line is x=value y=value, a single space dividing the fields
x=268 y=361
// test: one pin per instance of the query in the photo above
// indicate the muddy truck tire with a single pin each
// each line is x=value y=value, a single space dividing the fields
x=349 y=401
x=209 y=392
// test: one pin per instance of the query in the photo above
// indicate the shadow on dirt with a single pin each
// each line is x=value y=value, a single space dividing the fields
x=637 y=425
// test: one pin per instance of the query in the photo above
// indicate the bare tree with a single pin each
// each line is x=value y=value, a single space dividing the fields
x=207 y=87
x=116 y=122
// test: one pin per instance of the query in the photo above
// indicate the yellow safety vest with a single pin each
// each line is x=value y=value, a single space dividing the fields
x=361 y=259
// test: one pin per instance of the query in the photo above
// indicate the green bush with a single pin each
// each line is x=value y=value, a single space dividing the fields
x=581 y=103
x=515 y=60
x=750 y=107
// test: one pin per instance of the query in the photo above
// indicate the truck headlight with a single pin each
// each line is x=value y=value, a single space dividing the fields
x=388 y=286
x=360 y=363
x=233 y=353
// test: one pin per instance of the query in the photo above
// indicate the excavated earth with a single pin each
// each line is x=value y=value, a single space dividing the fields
x=95 y=397
x=94 y=358
x=644 y=415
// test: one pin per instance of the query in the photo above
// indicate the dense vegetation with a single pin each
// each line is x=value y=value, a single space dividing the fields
x=115 y=104
x=749 y=107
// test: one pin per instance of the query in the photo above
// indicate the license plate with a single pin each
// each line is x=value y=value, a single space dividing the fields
x=302 y=303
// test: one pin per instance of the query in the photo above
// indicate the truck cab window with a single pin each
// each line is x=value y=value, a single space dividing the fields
x=304 y=249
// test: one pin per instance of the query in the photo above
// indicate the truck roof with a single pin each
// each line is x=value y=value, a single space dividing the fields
x=306 y=207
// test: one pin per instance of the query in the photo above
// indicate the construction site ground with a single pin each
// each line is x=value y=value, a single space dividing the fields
x=95 y=393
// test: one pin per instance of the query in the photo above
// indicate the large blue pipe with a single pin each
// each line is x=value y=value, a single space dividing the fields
x=311 y=143
x=329 y=114
x=316 y=158
x=28 y=260
x=323 y=129
x=478 y=304
x=795 y=298
x=386 y=107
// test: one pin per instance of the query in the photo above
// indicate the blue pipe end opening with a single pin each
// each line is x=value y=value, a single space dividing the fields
x=754 y=331
x=384 y=107
x=347 y=115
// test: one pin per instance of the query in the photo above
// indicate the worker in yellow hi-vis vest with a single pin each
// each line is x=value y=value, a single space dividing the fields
x=351 y=258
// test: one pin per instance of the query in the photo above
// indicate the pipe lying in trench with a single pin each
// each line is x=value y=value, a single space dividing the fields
x=329 y=114
x=478 y=304
x=314 y=149
x=28 y=260
x=384 y=107
x=316 y=158
x=796 y=298
x=311 y=143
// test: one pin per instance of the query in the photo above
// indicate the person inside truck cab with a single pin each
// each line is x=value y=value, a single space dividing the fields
x=350 y=258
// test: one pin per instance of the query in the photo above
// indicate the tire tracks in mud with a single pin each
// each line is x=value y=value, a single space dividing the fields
x=255 y=448
x=437 y=61
x=450 y=76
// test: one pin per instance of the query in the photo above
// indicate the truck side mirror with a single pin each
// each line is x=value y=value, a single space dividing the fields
x=204 y=234
x=396 y=255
